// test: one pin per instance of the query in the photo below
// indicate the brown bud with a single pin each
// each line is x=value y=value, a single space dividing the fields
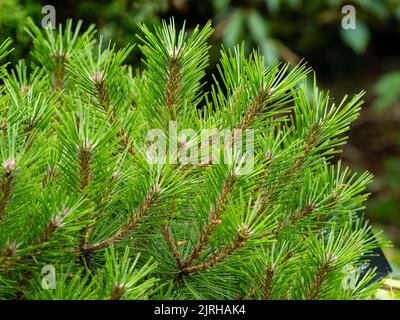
x=98 y=77
x=66 y=212
x=333 y=259
x=115 y=174
x=9 y=165
x=87 y=145
x=23 y=89
x=270 y=91
x=9 y=251
x=244 y=231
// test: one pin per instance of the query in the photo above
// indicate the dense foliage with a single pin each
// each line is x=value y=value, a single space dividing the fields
x=78 y=193
x=346 y=60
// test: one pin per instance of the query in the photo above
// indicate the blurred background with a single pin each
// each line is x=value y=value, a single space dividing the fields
x=346 y=61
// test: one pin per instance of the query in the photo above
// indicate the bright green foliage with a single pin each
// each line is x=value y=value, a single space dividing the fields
x=4 y=51
x=78 y=192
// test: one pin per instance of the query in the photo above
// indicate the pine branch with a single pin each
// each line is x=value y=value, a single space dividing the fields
x=6 y=254
x=171 y=243
x=130 y=226
x=170 y=238
x=85 y=158
x=116 y=293
x=172 y=90
x=266 y=287
x=45 y=237
x=309 y=145
x=6 y=185
x=214 y=219
x=4 y=51
x=244 y=235
x=51 y=228
x=270 y=269
x=294 y=218
x=102 y=93
x=322 y=273
x=255 y=108
x=59 y=70
x=218 y=256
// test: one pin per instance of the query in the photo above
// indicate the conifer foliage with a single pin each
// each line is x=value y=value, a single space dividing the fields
x=79 y=196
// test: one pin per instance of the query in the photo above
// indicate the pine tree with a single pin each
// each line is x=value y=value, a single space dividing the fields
x=80 y=194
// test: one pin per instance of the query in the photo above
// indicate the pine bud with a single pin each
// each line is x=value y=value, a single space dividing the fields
x=157 y=188
x=115 y=174
x=8 y=251
x=23 y=89
x=87 y=145
x=98 y=77
x=244 y=231
x=9 y=165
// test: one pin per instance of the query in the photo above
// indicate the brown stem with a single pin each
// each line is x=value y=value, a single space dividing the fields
x=171 y=243
x=313 y=292
x=49 y=176
x=255 y=108
x=127 y=227
x=267 y=283
x=267 y=278
x=6 y=185
x=59 y=71
x=304 y=212
x=5 y=190
x=263 y=201
x=170 y=238
x=100 y=86
x=116 y=293
x=217 y=257
x=6 y=254
x=173 y=84
x=310 y=143
x=52 y=227
x=213 y=220
x=85 y=158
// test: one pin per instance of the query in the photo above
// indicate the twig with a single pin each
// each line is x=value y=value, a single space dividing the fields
x=6 y=185
x=173 y=84
x=127 y=227
x=214 y=219
x=85 y=158
x=99 y=84
x=313 y=292
x=217 y=257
